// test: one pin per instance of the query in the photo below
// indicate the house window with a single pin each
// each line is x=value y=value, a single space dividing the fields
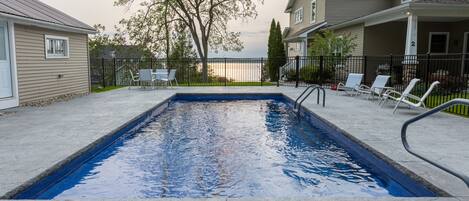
x=299 y=16
x=313 y=11
x=57 y=47
x=438 y=42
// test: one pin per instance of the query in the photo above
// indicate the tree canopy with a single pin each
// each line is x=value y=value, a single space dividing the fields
x=327 y=43
x=276 y=54
x=206 y=20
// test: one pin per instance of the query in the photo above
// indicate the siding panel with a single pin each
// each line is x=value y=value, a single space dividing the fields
x=38 y=76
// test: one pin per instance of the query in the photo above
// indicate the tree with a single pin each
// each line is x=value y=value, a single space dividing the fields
x=183 y=56
x=271 y=50
x=276 y=55
x=282 y=54
x=327 y=43
x=101 y=41
x=206 y=21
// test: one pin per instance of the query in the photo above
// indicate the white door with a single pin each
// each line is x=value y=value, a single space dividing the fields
x=6 y=90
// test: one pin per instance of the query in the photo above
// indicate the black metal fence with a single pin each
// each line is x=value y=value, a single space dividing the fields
x=452 y=70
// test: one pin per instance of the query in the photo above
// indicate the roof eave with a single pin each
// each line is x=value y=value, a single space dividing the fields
x=48 y=25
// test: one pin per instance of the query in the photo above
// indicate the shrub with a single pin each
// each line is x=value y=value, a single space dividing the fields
x=311 y=74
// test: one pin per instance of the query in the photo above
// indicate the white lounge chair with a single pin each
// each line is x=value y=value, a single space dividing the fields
x=353 y=83
x=407 y=98
x=378 y=87
x=146 y=75
x=133 y=79
x=171 y=77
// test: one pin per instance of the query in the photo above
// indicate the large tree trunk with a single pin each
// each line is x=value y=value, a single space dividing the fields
x=205 y=69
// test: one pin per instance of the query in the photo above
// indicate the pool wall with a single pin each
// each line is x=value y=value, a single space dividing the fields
x=360 y=151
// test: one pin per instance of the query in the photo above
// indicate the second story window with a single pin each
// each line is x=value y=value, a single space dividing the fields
x=299 y=16
x=313 y=11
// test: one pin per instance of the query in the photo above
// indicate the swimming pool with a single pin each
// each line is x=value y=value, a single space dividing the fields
x=227 y=146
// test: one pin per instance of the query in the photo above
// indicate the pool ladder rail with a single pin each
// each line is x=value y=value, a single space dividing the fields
x=409 y=149
x=305 y=95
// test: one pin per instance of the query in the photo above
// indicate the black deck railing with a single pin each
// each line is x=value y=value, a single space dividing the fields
x=452 y=70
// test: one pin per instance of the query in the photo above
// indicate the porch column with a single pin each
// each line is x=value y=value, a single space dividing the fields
x=410 y=61
x=305 y=47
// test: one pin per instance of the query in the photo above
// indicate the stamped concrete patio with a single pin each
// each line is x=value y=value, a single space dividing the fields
x=33 y=140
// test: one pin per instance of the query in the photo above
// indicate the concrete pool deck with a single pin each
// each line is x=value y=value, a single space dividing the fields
x=32 y=140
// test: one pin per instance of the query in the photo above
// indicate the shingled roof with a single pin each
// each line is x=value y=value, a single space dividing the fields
x=35 y=10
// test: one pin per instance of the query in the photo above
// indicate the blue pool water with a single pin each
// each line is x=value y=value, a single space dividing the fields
x=238 y=148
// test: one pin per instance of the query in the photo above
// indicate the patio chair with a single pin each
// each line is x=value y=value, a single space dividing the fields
x=133 y=79
x=407 y=98
x=146 y=75
x=378 y=87
x=353 y=83
x=171 y=77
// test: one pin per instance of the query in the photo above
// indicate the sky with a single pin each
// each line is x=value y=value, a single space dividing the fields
x=254 y=33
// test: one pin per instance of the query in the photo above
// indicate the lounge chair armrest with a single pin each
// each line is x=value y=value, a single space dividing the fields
x=364 y=87
x=390 y=92
x=413 y=97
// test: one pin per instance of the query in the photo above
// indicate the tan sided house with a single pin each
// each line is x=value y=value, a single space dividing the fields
x=43 y=53
x=382 y=27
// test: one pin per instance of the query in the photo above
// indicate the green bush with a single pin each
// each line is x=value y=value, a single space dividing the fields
x=311 y=74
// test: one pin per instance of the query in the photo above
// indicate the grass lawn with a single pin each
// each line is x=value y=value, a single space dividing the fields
x=436 y=100
x=99 y=89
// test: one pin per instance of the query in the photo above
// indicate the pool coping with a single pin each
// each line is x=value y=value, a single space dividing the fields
x=161 y=106
x=107 y=139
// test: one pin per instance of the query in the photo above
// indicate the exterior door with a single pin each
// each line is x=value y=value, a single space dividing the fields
x=6 y=89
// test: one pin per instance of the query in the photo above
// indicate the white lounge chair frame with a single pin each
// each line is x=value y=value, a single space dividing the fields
x=352 y=85
x=407 y=98
x=133 y=79
x=378 y=87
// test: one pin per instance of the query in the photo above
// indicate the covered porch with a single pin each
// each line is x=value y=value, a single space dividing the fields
x=424 y=39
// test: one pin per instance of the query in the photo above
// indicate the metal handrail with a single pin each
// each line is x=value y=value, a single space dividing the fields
x=438 y=109
x=304 y=92
x=313 y=88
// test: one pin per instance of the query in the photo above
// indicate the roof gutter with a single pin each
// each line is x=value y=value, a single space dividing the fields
x=400 y=12
x=45 y=24
x=402 y=9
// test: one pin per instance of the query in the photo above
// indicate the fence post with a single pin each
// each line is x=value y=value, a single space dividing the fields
x=226 y=79
x=365 y=68
x=278 y=75
x=391 y=69
x=321 y=70
x=427 y=72
x=114 y=68
x=297 y=64
x=262 y=71
x=151 y=62
x=104 y=71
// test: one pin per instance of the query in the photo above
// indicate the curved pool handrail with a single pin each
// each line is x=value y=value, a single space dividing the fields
x=409 y=149
x=302 y=94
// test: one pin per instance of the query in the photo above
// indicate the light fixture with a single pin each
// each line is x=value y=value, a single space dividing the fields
x=408 y=13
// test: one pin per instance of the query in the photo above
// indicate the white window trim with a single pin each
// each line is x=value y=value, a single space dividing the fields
x=299 y=10
x=430 y=35
x=315 y=11
x=46 y=44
